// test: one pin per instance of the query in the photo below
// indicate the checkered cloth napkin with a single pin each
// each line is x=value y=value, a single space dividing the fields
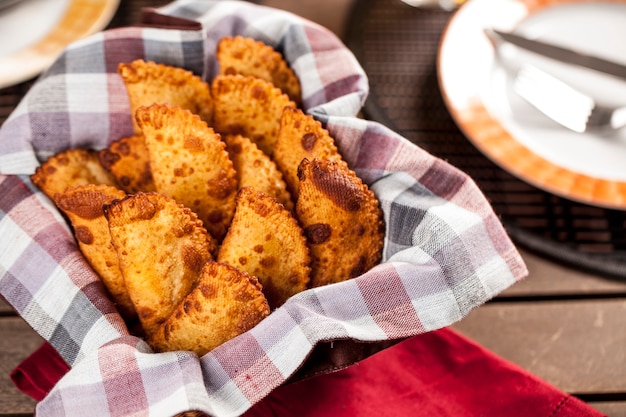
x=445 y=250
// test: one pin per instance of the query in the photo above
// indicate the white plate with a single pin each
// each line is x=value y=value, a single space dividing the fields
x=34 y=33
x=477 y=88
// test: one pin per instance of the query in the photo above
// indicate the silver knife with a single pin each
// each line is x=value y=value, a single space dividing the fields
x=561 y=54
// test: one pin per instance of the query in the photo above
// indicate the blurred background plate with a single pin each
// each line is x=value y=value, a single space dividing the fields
x=34 y=32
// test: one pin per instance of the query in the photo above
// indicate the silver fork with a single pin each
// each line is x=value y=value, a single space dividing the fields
x=564 y=104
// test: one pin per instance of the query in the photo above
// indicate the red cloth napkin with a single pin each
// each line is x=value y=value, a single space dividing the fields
x=440 y=373
x=39 y=372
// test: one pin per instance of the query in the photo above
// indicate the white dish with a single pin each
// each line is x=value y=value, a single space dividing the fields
x=477 y=88
x=34 y=33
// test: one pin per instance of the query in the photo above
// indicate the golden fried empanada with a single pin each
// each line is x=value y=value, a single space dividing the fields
x=246 y=56
x=250 y=107
x=225 y=303
x=70 y=168
x=161 y=247
x=256 y=169
x=83 y=207
x=341 y=219
x=127 y=159
x=189 y=163
x=266 y=241
x=148 y=82
x=301 y=136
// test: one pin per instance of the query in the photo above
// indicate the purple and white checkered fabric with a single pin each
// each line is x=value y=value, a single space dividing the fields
x=445 y=250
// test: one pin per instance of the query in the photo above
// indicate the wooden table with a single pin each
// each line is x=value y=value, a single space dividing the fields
x=564 y=325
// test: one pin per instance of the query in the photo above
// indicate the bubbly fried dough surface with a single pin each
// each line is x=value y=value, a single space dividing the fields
x=341 y=219
x=256 y=169
x=247 y=56
x=83 y=207
x=250 y=107
x=127 y=159
x=70 y=168
x=266 y=241
x=226 y=201
x=189 y=163
x=148 y=82
x=162 y=247
x=225 y=303
x=301 y=136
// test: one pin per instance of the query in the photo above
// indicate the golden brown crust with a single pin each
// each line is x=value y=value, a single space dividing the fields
x=225 y=303
x=70 y=168
x=341 y=219
x=189 y=163
x=301 y=136
x=83 y=207
x=256 y=169
x=148 y=82
x=250 y=107
x=246 y=56
x=266 y=241
x=127 y=159
x=154 y=238
x=162 y=247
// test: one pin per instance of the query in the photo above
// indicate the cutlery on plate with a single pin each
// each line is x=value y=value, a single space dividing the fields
x=559 y=53
x=564 y=104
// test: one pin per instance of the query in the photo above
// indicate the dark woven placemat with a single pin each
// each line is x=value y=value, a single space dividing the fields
x=397 y=45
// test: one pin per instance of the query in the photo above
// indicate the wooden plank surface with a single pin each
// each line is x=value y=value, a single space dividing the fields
x=575 y=345
x=578 y=346
x=5 y=308
x=548 y=278
x=564 y=325
x=611 y=409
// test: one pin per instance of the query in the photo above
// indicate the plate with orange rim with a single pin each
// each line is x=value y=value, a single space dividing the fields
x=35 y=32
x=476 y=81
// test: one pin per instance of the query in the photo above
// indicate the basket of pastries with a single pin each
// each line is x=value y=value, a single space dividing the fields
x=190 y=214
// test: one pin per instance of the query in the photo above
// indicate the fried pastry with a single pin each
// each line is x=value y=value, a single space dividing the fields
x=189 y=163
x=225 y=303
x=342 y=221
x=161 y=247
x=83 y=207
x=256 y=169
x=70 y=168
x=246 y=56
x=266 y=241
x=301 y=136
x=250 y=107
x=148 y=82
x=127 y=159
